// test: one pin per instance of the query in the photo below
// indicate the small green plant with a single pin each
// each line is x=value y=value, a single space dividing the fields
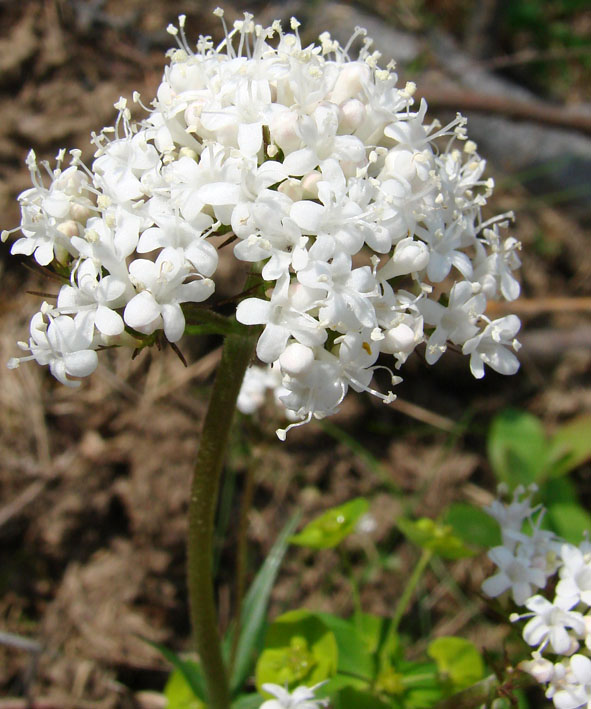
x=521 y=452
x=360 y=661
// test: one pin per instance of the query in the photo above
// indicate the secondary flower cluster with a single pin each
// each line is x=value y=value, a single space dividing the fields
x=301 y=698
x=528 y=558
x=362 y=220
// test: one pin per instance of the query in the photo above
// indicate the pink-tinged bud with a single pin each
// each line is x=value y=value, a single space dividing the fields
x=350 y=83
x=310 y=185
x=68 y=228
x=352 y=115
x=283 y=129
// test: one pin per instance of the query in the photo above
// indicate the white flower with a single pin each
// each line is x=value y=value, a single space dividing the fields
x=490 y=347
x=162 y=287
x=324 y=173
x=63 y=343
x=575 y=577
x=282 y=320
x=548 y=625
x=515 y=573
x=301 y=698
x=573 y=689
x=456 y=322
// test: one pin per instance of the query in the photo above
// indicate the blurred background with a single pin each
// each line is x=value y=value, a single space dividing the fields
x=93 y=483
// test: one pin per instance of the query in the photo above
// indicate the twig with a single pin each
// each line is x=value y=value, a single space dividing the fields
x=424 y=415
x=529 y=55
x=537 y=111
x=535 y=306
x=12 y=509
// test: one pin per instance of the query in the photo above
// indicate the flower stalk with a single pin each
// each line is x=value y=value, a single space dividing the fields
x=237 y=352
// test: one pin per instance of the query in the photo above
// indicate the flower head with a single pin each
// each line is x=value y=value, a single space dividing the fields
x=364 y=218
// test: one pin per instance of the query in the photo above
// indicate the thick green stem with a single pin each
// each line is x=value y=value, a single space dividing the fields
x=236 y=354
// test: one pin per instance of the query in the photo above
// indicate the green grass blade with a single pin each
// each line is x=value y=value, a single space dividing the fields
x=254 y=611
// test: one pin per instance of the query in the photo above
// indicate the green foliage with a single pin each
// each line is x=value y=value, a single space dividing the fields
x=473 y=525
x=179 y=694
x=330 y=528
x=299 y=649
x=435 y=537
x=521 y=453
x=458 y=660
x=254 y=611
x=186 y=675
x=517 y=448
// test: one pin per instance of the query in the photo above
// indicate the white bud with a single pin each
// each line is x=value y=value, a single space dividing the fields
x=410 y=256
x=296 y=359
x=400 y=338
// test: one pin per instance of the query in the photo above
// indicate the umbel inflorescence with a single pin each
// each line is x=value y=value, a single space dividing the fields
x=363 y=220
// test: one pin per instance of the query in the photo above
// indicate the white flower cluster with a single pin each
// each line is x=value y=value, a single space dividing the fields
x=301 y=698
x=528 y=558
x=363 y=221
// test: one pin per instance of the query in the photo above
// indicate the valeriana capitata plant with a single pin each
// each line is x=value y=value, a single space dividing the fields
x=361 y=218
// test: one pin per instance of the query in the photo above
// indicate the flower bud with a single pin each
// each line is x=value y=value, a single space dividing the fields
x=292 y=188
x=310 y=185
x=409 y=256
x=283 y=129
x=352 y=115
x=400 y=338
x=296 y=359
x=353 y=77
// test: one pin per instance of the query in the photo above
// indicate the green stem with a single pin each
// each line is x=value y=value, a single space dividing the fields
x=356 y=596
x=236 y=355
x=405 y=598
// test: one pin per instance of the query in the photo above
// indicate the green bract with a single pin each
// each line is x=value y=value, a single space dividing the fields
x=329 y=530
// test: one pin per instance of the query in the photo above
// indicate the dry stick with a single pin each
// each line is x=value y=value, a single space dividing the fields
x=535 y=306
x=528 y=56
x=424 y=415
x=537 y=111
x=13 y=508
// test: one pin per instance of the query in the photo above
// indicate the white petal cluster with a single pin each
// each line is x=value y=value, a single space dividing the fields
x=363 y=220
x=527 y=560
x=301 y=698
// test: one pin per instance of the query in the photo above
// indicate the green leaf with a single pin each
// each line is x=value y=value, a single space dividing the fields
x=458 y=659
x=299 y=649
x=247 y=701
x=436 y=537
x=328 y=530
x=354 y=659
x=570 y=521
x=189 y=669
x=370 y=628
x=352 y=698
x=570 y=446
x=517 y=448
x=254 y=609
x=179 y=694
x=558 y=490
x=473 y=525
